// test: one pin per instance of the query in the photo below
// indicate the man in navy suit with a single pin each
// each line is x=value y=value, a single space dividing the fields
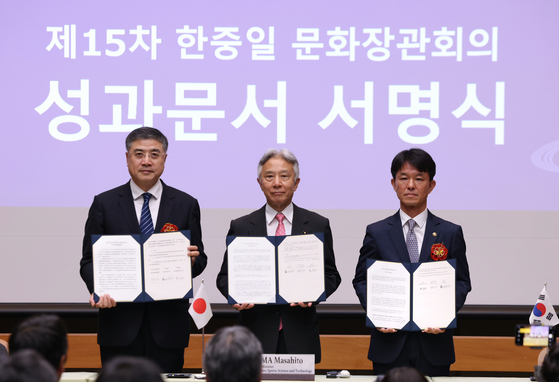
x=158 y=330
x=283 y=329
x=431 y=350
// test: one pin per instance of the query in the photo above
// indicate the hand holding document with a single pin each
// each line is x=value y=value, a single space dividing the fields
x=276 y=270
x=412 y=297
x=157 y=269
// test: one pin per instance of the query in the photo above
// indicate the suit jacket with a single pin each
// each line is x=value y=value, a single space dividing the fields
x=113 y=213
x=384 y=240
x=300 y=325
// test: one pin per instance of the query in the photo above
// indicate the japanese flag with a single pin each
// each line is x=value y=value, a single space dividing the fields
x=200 y=309
x=543 y=313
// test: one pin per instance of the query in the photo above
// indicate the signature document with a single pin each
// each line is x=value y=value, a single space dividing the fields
x=411 y=296
x=141 y=268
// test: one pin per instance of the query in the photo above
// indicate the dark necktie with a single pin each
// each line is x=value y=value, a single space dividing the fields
x=146 y=224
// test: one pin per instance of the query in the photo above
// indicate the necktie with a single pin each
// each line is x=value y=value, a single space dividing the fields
x=146 y=224
x=280 y=231
x=411 y=243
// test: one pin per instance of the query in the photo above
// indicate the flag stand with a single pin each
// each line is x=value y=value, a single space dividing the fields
x=201 y=312
x=203 y=373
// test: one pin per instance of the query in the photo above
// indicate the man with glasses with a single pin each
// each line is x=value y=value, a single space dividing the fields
x=158 y=330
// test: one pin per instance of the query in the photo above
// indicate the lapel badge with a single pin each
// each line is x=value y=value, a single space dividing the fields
x=434 y=234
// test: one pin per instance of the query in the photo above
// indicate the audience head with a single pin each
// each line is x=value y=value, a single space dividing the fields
x=550 y=366
x=234 y=354
x=3 y=348
x=404 y=374
x=26 y=366
x=45 y=334
x=418 y=158
x=130 y=369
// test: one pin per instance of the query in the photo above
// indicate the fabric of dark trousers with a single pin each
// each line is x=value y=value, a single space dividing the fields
x=412 y=355
x=282 y=347
x=169 y=360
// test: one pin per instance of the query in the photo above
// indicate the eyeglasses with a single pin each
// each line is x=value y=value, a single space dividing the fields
x=153 y=155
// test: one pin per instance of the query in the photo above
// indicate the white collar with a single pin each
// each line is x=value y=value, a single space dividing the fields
x=155 y=191
x=419 y=219
x=287 y=212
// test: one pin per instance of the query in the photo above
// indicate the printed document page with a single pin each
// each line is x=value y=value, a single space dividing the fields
x=301 y=268
x=117 y=267
x=434 y=294
x=252 y=270
x=388 y=295
x=167 y=267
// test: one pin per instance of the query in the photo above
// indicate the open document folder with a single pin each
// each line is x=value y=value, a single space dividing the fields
x=411 y=296
x=276 y=269
x=142 y=268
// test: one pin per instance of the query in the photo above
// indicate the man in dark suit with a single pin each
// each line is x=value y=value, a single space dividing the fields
x=158 y=330
x=283 y=329
x=397 y=239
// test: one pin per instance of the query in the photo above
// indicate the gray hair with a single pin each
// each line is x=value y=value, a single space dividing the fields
x=146 y=133
x=234 y=354
x=284 y=154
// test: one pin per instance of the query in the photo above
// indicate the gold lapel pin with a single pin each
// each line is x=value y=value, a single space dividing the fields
x=434 y=234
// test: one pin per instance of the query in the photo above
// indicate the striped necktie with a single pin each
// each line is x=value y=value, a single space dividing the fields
x=146 y=224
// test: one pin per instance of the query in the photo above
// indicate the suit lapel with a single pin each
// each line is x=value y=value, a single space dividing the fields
x=397 y=235
x=165 y=207
x=126 y=203
x=432 y=235
x=258 y=223
x=300 y=221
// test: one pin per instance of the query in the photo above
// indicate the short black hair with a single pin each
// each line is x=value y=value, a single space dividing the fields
x=418 y=158
x=234 y=354
x=404 y=374
x=26 y=366
x=550 y=365
x=146 y=133
x=130 y=369
x=45 y=334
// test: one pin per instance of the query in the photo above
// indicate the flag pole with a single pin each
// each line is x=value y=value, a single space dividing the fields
x=203 y=346
x=201 y=311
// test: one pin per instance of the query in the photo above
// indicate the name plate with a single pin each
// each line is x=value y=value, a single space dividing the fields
x=288 y=367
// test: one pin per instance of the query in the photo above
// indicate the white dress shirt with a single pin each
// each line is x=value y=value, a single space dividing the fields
x=272 y=222
x=154 y=201
x=418 y=229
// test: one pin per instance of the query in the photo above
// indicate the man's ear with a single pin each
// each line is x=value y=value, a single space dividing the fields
x=432 y=185
x=296 y=184
x=61 y=365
